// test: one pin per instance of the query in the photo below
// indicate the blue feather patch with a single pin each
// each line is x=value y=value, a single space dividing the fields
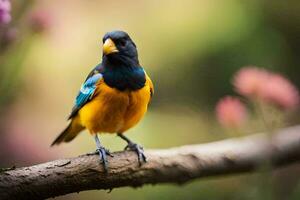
x=87 y=90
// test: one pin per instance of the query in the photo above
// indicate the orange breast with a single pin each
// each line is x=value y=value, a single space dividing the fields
x=137 y=107
x=114 y=111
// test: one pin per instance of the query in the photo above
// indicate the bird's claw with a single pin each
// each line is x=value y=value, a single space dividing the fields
x=106 y=151
x=103 y=157
x=97 y=151
x=139 y=151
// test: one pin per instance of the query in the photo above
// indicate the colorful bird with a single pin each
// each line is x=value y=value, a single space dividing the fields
x=114 y=96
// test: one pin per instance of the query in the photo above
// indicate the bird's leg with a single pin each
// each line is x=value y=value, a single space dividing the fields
x=134 y=147
x=102 y=153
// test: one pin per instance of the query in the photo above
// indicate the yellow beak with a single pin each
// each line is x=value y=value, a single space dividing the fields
x=109 y=47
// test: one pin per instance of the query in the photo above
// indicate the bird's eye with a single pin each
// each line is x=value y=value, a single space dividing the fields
x=121 y=42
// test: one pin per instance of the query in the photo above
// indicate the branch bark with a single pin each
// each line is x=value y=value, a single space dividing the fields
x=175 y=165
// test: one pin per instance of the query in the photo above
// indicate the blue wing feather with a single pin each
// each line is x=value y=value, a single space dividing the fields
x=86 y=93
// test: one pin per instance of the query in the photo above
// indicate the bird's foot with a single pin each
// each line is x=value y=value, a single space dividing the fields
x=139 y=151
x=97 y=151
x=103 y=153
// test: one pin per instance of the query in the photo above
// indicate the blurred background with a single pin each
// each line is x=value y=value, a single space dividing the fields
x=190 y=49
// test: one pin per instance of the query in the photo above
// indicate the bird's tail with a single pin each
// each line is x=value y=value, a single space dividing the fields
x=72 y=130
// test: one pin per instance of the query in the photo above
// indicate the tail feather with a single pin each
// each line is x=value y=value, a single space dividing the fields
x=72 y=130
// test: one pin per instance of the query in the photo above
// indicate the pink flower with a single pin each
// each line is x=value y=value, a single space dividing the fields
x=249 y=80
x=231 y=112
x=40 y=21
x=5 y=8
x=281 y=92
x=266 y=86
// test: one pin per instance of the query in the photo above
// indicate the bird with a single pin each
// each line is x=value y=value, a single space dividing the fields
x=113 y=98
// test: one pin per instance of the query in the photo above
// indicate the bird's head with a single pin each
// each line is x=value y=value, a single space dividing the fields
x=118 y=47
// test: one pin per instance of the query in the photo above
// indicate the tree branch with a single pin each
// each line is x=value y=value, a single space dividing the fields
x=175 y=165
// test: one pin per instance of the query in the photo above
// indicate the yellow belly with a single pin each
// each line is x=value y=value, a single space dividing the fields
x=114 y=111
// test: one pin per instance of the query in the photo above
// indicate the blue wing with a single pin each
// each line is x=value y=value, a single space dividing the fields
x=86 y=93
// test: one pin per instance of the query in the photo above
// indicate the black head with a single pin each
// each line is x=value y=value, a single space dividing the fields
x=118 y=47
